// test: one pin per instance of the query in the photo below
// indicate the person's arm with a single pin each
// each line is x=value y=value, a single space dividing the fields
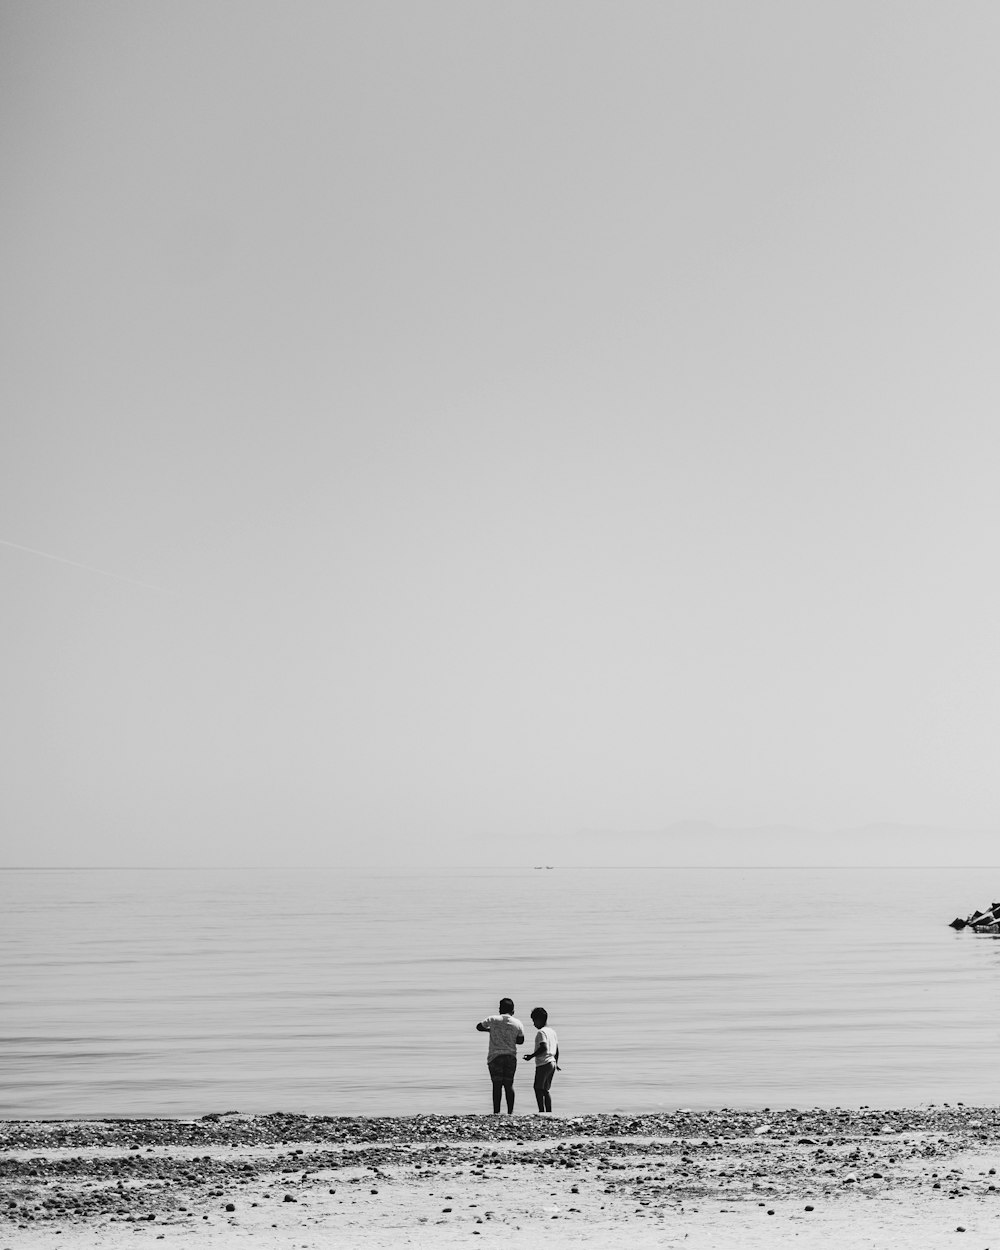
x=520 y=1039
x=540 y=1047
x=485 y=1028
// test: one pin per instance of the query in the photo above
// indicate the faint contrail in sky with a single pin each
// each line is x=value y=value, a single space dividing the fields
x=47 y=555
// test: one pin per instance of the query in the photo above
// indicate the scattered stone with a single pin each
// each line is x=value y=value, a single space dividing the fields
x=668 y=1157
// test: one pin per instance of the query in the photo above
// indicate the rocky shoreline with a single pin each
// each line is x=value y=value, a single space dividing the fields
x=228 y=1176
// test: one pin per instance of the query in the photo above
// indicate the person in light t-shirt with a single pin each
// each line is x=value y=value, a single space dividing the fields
x=506 y=1034
x=546 y=1057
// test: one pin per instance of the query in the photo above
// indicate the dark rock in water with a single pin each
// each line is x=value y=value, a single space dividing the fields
x=957 y=923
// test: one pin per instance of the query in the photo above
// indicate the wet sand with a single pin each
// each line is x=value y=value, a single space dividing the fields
x=845 y=1179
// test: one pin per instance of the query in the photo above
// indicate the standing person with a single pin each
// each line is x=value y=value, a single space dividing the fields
x=506 y=1034
x=546 y=1057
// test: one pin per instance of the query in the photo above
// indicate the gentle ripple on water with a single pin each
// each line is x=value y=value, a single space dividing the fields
x=131 y=992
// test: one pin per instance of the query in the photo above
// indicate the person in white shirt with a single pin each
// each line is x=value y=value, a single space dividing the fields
x=506 y=1034
x=546 y=1057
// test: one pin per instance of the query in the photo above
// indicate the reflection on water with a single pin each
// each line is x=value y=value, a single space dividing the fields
x=356 y=992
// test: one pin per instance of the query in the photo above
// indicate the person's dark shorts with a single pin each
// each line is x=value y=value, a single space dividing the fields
x=543 y=1076
x=502 y=1069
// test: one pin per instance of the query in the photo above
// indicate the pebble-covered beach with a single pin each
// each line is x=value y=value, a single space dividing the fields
x=734 y=1177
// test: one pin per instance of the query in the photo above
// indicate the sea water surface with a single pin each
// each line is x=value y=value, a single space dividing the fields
x=347 y=992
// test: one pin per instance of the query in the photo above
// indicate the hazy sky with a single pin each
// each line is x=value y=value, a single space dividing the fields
x=499 y=417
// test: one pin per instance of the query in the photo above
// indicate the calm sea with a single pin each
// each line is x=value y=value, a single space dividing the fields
x=350 y=992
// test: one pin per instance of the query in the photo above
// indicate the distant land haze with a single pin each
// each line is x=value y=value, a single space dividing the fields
x=702 y=844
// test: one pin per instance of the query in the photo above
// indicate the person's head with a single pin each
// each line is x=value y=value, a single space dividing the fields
x=506 y=1006
x=539 y=1017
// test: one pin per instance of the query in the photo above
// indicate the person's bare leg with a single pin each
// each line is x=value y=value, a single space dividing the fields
x=539 y=1089
x=543 y=1079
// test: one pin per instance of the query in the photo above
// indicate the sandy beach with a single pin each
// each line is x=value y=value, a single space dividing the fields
x=848 y=1179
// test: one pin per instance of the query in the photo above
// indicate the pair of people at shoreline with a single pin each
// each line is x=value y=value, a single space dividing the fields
x=506 y=1034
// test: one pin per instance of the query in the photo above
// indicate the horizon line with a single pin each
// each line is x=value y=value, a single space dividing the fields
x=402 y=867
